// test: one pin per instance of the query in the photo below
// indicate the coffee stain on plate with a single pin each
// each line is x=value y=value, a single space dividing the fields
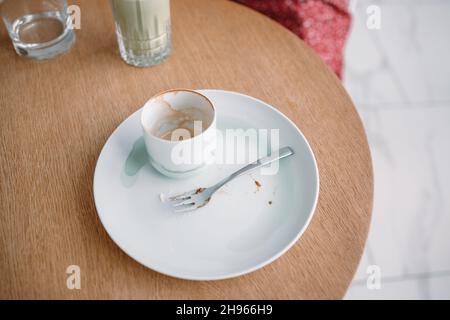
x=257 y=183
x=137 y=158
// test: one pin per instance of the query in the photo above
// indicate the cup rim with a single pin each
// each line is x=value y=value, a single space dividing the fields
x=173 y=90
x=41 y=45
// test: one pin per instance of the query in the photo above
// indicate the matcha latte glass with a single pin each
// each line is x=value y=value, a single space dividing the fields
x=143 y=30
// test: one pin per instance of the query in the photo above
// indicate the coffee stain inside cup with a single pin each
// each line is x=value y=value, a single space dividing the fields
x=137 y=158
x=184 y=119
x=168 y=122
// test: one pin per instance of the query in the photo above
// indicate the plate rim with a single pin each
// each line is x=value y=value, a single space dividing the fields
x=230 y=275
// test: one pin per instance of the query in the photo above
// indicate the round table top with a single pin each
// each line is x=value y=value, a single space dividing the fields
x=57 y=115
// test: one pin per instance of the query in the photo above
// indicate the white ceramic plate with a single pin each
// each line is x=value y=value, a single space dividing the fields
x=243 y=228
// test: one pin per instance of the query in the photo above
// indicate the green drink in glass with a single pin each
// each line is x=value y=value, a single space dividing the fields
x=143 y=30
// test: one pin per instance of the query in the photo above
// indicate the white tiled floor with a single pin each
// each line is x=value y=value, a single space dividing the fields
x=399 y=78
x=418 y=287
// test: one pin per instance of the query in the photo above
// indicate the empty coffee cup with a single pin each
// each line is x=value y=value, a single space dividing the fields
x=179 y=132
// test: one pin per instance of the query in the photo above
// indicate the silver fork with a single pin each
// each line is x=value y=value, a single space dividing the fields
x=200 y=197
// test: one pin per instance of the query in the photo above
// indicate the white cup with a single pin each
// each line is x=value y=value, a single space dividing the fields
x=163 y=124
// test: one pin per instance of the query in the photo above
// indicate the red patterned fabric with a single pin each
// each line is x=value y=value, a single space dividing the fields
x=322 y=24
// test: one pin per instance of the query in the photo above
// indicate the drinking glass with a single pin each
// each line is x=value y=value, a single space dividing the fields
x=143 y=30
x=39 y=29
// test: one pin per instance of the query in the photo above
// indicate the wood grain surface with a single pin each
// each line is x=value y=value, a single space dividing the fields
x=57 y=115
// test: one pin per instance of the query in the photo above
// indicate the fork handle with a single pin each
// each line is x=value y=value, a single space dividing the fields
x=282 y=153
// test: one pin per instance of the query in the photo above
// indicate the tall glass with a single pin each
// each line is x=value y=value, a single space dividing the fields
x=39 y=29
x=143 y=30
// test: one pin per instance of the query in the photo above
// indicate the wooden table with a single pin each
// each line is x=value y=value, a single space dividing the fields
x=56 y=116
